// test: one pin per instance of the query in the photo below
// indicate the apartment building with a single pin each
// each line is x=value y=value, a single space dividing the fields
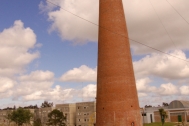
x=4 y=114
x=69 y=110
x=86 y=114
x=42 y=113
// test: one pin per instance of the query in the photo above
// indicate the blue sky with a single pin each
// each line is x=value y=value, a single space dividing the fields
x=49 y=54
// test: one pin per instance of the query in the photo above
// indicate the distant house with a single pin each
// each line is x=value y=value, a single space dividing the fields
x=177 y=110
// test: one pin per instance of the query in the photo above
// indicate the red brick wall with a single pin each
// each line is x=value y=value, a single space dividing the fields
x=117 y=99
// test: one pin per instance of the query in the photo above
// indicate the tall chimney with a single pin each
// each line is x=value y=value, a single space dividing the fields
x=117 y=100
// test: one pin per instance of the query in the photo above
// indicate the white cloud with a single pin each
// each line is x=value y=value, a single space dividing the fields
x=6 y=84
x=184 y=90
x=143 y=85
x=59 y=94
x=38 y=86
x=144 y=27
x=81 y=74
x=163 y=66
x=38 y=76
x=168 y=89
x=144 y=88
x=142 y=94
x=53 y=94
x=35 y=82
x=70 y=27
x=15 y=43
x=89 y=91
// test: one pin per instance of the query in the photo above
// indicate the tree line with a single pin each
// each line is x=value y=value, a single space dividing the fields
x=22 y=116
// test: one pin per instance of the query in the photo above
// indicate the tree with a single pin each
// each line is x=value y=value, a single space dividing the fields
x=46 y=104
x=56 y=118
x=163 y=115
x=37 y=122
x=147 y=106
x=20 y=116
x=165 y=104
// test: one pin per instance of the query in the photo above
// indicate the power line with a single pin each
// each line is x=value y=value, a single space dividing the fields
x=116 y=33
x=162 y=23
x=178 y=12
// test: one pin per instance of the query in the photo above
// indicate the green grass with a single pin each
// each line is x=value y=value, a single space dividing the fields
x=159 y=124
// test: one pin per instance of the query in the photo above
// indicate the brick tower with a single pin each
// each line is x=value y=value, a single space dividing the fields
x=117 y=100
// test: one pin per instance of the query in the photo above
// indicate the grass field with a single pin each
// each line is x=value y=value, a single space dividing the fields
x=159 y=124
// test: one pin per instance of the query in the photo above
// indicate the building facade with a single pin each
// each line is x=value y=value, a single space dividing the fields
x=177 y=111
x=86 y=114
x=42 y=113
x=69 y=110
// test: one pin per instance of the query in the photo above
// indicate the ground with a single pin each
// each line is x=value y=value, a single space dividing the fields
x=159 y=124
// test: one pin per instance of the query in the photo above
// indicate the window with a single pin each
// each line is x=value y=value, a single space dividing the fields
x=143 y=114
x=77 y=107
x=85 y=120
x=79 y=120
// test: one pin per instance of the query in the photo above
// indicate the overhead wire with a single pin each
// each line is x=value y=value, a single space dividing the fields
x=116 y=33
x=177 y=12
x=162 y=23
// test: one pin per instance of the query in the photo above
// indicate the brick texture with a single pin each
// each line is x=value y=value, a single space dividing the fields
x=117 y=100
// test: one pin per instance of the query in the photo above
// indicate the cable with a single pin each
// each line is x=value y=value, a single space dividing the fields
x=178 y=12
x=71 y=13
x=162 y=23
x=117 y=33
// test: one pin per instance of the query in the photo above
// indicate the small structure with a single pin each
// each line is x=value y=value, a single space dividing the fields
x=179 y=111
x=151 y=114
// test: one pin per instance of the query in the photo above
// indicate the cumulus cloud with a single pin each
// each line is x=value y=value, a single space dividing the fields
x=164 y=66
x=38 y=76
x=144 y=27
x=168 y=89
x=143 y=85
x=52 y=94
x=89 y=91
x=59 y=94
x=81 y=74
x=142 y=94
x=35 y=82
x=6 y=84
x=71 y=27
x=15 y=45
x=144 y=88
x=184 y=90
x=38 y=85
